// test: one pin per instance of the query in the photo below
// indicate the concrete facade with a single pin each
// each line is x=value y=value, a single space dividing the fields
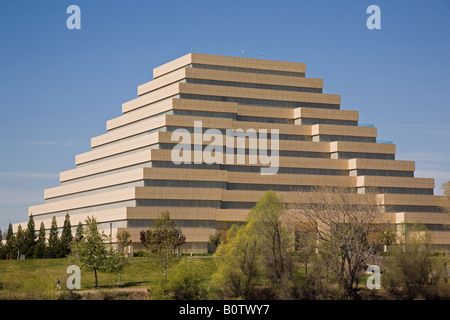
x=128 y=177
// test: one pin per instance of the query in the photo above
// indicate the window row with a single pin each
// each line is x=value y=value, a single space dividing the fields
x=261 y=102
x=390 y=173
x=147 y=223
x=281 y=136
x=249 y=70
x=246 y=151
x=397 y=190
x=253 y=85
x=362 y=155
x=330 y=138
x=311 y=121
x=248 y=168
x=408 y=208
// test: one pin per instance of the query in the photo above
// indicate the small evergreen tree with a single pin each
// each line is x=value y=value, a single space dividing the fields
x=10 y=242
x=79 y=232
x=20 y=241
x=2 y=246
x=40 y=248
x=30 y=238
x=54 y=245
x=66 y=237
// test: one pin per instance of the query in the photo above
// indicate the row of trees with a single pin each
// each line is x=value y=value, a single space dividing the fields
x=35 y=244
x=337 y=236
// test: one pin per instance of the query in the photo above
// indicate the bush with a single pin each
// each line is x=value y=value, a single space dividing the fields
x=139 y=254
x=185 y=283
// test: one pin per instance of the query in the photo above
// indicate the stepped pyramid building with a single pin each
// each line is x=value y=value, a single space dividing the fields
x=130 y=176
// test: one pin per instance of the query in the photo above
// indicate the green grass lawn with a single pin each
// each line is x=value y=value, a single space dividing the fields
x=36 y=278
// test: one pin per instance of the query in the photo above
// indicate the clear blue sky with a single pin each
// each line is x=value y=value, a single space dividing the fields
x=58 y=87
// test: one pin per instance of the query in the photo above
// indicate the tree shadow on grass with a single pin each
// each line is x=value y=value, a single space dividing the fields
x=128 y=284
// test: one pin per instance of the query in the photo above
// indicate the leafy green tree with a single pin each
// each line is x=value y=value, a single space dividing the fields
x=409 y=263
x=387 y=237
x=187 y=282
x=275 y=243
x=305 y=248
x=30 y=238
x=162 y=240
x=123 y=237
x=40 y=248
x=238 y=263
x=91 y=252
x=116 y=262
x=54 y=244
x=216 y=239
x=66 y=237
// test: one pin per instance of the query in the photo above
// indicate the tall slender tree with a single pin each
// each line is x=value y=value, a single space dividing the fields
x=66 y=237
x=30 y=238
x=10 y=241
x=79 y=232
x=40 y=248
x=2 y=246
x=276 y=243
x=54 y=245
x=20 y=241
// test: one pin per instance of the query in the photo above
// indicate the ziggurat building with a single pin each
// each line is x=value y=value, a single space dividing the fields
x=128 y=177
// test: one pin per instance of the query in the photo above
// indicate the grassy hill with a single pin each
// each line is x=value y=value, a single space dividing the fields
x=36 y=278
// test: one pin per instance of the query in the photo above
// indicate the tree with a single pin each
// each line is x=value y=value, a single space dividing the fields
x=40 y=248
x=79 y=232
x=123 y=238
x=305 y=248
x=66 y=237
x=116 y=261
x=118 y=257
x=91 y=252
x=54 y=244
x=275 y=243
x=387 y=237
x=215 y=239
x=238 y=263
x=341 y=223
x=163 y=238
x=409 y=263
x=30 y=238
x=2 y=246
x=10 y=241
x=187 y=282
x=445 y=202
x=19 y=243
